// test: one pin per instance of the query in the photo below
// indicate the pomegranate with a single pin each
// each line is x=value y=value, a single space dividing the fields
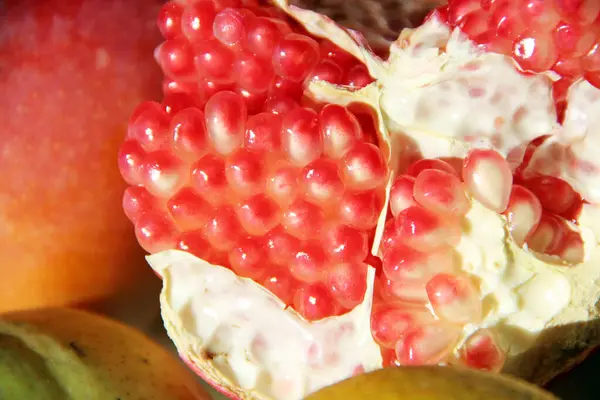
x=316 y=211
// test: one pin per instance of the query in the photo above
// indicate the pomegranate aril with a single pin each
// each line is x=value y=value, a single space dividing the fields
x=247 y=258
x=163 y=173
x=535 y=51
x=410 y=291
x=591 y=61
x=189 y=210
x=459 y=9
x=225 y=120
x=255 y=101
x=583 y=12
x=327 y=71
x=279 y=282
x=309 y=263
x=343 y=243
x=155 y=233
x=214 y=61
x=347 y=283
x=282 y=184
x=176 y=58
x=364 y=166
x=419 y=166
x=474 y=24
x=389 y=322
x=358 y=77
x=427 y=345
x=169 y=20
x=131 y=162
x=222 y=229
x=193 y=242
x=548 y=235
x=425 y=230
x=245 y=172
x=229 y=26
x=567 y=68
x=303 y=220
x=149 y=125
x=523 y=213
x=401 y=194
x=572 y=40
x=258 y=214
x=208 y=177
x=251 y=73
x=281 y=246
x=176 y=102
x=197 y=20
x=137 y=201
x=331 y=52
x=295 y=56
x=340 y=130
x=188 y=130
x=454 y=298
x=571 y=249
x=280 y=105
x=314 y=302
x=441 y=192
x=489 y=178
x=388 y=356
x=361 y=209
x=555 y=195
x=541 y=13
x=264 y=34
x=300 y=137
x=285 y=87
x=263 y=132
x=321 y=182
x=481 y=352
x=506 y=21
x=401 y=262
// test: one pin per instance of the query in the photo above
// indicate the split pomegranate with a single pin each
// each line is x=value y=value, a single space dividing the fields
x=315 y=210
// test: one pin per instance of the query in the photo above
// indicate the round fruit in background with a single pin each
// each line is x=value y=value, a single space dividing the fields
x=71 y=73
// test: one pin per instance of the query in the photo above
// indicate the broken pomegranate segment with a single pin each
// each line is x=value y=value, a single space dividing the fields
x=314 y=210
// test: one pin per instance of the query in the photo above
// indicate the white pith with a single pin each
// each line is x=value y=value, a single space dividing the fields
x=419 y=97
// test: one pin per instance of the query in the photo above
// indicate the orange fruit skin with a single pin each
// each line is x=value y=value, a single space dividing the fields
x=71 y=72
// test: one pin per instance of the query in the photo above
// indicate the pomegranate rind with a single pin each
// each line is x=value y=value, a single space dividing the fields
x=246 y=341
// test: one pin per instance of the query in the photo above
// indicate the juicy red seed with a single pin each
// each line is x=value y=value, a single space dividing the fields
x=489 y=178
x=321 y=182
x=402 y=262
x=388 y=323
x=197 y=21
x=331 y=52
x=343 y=243
x=583 y=12
x=401 y=194
x=555 y=195
x=208 y=176
x=189 y=210
x=389 y=236
x=441 y=192
x=347 y=283
x=327 y=71
x=281 y=246
x=539 y=12
x=149 y=125
x=222 y=229
x=364 y=166
x=535 y=51
x=417 y=167
x=314 y=302
x=169 y=20
x=252 y=73
x=406 y=291
x=426 y=230
x=340 y=130
x=247 y=258
x=282 y=184
x=229 y=26
x=591 y=61
x=285 y=87
x=225 y=119
x=193 y=242
x=176 y=58
x=263 y=132
x=131 y=162
x=163 y=173
x=454 y=298
x=303 y=220
x=361 y=209
x=155 y=233
x=571 y=249
x=207 y=88
x=137 y=201
x=572 y=41
x=263 y=36
x=255 y=101
x=300 y=137
x=523 y=213
x=280 y=105
x=309 y=262
x=176 y=102
x=258 y=214
x=188 y=130
x=280 y=283
x=295 y=56
x=358 y=77
x=428 y=344
x=548 y=235
x=245 y=172
x=481 y=352
x=458 y=9
x=214 y=61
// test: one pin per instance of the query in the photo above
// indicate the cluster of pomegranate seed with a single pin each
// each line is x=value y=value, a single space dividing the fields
x=217 y=45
